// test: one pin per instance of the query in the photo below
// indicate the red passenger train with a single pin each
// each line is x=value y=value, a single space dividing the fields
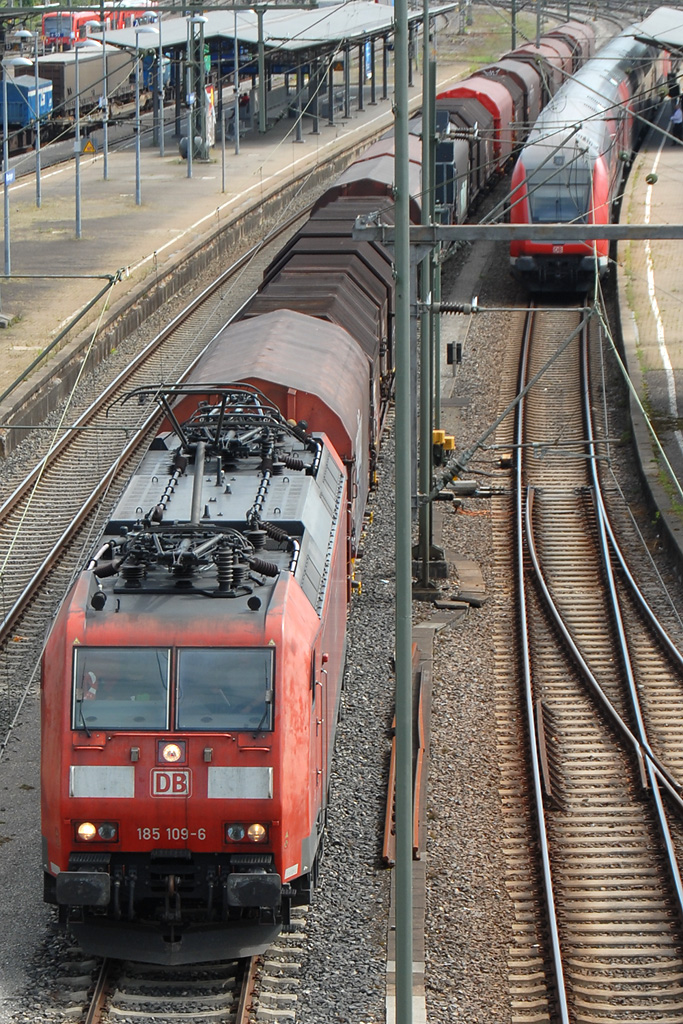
x=191 y=682
x=572 y=167
x=61 y=29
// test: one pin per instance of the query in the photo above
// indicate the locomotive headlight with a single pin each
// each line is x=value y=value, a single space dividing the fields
x=253 y=834
x=108 y=831
x=171 y=753
x=97 y=832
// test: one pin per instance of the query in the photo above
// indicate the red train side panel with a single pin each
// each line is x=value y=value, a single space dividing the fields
x=497 y=100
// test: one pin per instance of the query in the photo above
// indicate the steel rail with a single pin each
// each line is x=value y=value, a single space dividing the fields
x=537 y=781
x=641 y=749
x=623 y=642
x=101 y=990
x=657 y=626
x=650 y=767
x=246 y=991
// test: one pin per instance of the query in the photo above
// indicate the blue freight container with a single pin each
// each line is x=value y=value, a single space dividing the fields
x=21 y=99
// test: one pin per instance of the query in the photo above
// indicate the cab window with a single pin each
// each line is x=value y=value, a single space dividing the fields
x=121 y=688
x=225 y=689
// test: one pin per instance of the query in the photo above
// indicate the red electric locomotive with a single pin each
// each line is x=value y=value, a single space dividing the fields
x=192 y=679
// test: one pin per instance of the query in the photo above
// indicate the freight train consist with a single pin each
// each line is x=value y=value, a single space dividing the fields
x=55 y=100
x=191 y=682
x=572 y=167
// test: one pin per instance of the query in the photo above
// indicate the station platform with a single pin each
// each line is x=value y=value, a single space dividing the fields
x=55 y=274
x=176 y=213
x=650 y=291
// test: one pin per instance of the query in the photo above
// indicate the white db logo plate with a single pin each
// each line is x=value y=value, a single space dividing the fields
x=171 y=783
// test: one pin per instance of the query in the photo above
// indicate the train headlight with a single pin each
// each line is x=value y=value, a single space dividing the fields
x=97 y=832
x=171 y=752
x=108 y=831
x=236 y=833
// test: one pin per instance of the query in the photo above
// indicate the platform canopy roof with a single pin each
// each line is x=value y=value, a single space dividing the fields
x=283 y=29
x=664 y=27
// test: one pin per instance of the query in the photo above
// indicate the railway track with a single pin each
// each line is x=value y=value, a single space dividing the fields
x=594 y=845
x=52 y=517
x=222 y=992
x=216 y=993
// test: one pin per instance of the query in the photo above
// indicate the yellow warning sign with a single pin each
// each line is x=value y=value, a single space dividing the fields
x=89 y=148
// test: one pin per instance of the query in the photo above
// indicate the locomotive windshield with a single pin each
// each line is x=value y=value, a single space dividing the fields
x=560 y=196
x=121 y=688
x=217 y=689
x=56 y=26
x=225 y=689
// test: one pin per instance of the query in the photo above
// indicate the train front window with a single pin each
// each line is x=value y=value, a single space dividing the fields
x=563 y=197
x=122 y=688
x=225 y=690
x=57 y=26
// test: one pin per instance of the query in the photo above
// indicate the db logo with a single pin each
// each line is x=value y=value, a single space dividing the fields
x=558 y=248
x=168 y=783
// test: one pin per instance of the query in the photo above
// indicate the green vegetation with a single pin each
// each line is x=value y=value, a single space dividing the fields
x=667 y=485
x=485 y=40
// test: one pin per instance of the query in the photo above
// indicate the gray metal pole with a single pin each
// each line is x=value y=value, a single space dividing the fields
x=330 y=94
x=299 y=112
x=190 y=99
x=347 y=83
x=403 y=639
x=222 y=149
x=261 y=73
x=178 y=86
x=236 y=87
x=385 y=67
x=436 y=324
x=513 y=24
x=105 y=105
x=505 y=232
x=425 y=470
x=314 y=95
x=77 y=143
x=436 y=259
x=39 y=190
x=373 y=77
x=5 y=168
x=361 y=76
x=204 y=154
x=138 y=189
x=160 y=91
